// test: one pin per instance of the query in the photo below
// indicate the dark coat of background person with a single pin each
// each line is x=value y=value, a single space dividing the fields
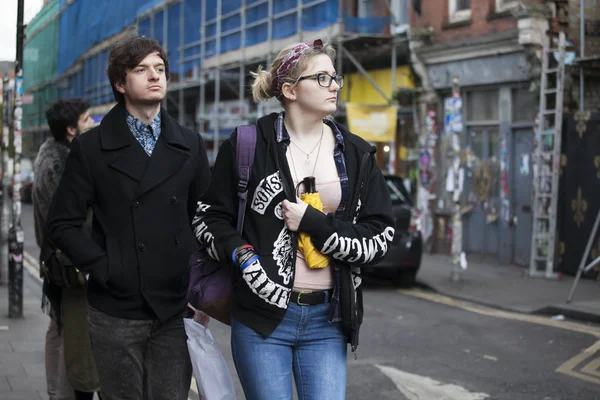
x=69 y=303
x=142 y=207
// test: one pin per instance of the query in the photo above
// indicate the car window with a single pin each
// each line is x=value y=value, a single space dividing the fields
x=397 y=191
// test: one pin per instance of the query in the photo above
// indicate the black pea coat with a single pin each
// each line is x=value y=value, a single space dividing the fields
x=142 y=207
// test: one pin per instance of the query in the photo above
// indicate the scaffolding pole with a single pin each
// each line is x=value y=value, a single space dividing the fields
x=217 y=100
x=202 y=77
x=582 y=53
x=242 y=78
x=181 y=105
x=364 y=72
x=166 y=46
x=392 y=163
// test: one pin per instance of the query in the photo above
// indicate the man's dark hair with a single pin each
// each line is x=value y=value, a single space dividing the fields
x=127 y=54
x=63 y=114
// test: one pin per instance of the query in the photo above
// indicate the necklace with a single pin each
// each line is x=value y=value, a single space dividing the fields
x=307 y=161
x=316 y=160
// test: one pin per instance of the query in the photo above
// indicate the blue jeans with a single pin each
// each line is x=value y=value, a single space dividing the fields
x=304 y=343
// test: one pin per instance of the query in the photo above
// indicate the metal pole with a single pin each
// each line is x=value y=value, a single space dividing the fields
x=340 y=40
x=217 y=99
x=364 y=72
x=581 y=52
x=165 y=45
x=242 y=80
x=202 y=101
x=392 y=168
x=585 y=257
x=5 y=154
x=458 y=258
x=181 y=105
x=270 y=31
x=15 y=234
x=4 y=126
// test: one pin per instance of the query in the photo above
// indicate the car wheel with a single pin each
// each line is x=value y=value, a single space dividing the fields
x=405 y=279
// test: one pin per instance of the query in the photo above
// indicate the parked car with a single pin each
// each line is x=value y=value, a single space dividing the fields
x=403 y=259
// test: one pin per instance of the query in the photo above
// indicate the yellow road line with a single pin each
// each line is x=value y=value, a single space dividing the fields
x=568 y=368
x=589 y=372
x=592 y=368
x=475 y=308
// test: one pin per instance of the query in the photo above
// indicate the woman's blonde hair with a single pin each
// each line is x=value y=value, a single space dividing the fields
x=264 y=87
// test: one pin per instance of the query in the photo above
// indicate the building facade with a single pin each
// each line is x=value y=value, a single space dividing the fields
x=488 y=49
x=491 y=49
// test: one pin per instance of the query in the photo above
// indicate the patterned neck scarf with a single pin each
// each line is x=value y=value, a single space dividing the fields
x=146 y=134
x=289 y=62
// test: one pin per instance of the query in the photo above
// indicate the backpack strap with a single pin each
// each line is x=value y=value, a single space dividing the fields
x=245 y=147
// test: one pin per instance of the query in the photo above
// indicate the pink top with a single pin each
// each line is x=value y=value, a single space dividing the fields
x=318 y=279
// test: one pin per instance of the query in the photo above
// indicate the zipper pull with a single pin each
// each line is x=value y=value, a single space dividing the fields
x=354 y=352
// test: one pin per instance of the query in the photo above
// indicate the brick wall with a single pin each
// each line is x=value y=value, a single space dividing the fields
x=484 y=20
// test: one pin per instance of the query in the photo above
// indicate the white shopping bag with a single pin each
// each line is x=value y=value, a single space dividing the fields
x=210 y=369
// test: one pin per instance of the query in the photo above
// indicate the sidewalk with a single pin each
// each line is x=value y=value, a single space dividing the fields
x=22 y=369
x=506 y=287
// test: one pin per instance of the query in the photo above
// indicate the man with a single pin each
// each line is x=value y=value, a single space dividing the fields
x=77 y=378
x=142 y=174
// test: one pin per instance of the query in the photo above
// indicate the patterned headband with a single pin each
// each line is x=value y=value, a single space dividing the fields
x=289 y=62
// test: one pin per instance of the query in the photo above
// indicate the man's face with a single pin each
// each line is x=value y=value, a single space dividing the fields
x=84 y=122
x=146 y=83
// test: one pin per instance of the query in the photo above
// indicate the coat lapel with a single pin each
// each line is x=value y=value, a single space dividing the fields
x=124 y=153
x=170 y=154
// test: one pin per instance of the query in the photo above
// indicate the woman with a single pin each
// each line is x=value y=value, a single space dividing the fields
x=289 y=318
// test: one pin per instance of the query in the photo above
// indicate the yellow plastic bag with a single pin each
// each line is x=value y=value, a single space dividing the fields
x=314 y=258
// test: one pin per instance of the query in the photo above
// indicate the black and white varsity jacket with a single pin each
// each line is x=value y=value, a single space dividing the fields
x=360 y=238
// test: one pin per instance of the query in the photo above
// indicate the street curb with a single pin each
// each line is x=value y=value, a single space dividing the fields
x=569 y=313
x=550 y=310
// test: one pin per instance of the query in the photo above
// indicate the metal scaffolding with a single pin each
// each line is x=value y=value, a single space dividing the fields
x=223 y=76
x=213 y=44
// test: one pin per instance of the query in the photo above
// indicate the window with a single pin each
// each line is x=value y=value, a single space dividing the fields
x=523 y=106
x=482 y=105
x=503 y=5
x=365 y=8
x=401 y=12
x=459 y=10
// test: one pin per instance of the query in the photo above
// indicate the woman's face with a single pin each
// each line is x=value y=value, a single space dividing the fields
x=310 y=95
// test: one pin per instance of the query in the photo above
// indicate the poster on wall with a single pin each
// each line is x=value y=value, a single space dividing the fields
x=453 y=122
x=372 y=123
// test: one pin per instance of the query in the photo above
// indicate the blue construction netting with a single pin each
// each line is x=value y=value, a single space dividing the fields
x=371 y=25
x=85 y=23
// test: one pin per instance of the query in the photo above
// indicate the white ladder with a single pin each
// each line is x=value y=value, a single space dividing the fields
x=547 y=163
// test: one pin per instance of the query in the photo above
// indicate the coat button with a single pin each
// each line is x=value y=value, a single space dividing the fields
x=145 y=288
x=136 y=204
x=173 y=200
x=142 y=247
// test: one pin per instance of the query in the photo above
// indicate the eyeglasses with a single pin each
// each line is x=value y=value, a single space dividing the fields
x=325 y=80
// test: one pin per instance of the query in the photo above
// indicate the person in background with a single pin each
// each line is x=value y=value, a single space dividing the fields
x=70 y=368
x=142 y=174
x=293 y=317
